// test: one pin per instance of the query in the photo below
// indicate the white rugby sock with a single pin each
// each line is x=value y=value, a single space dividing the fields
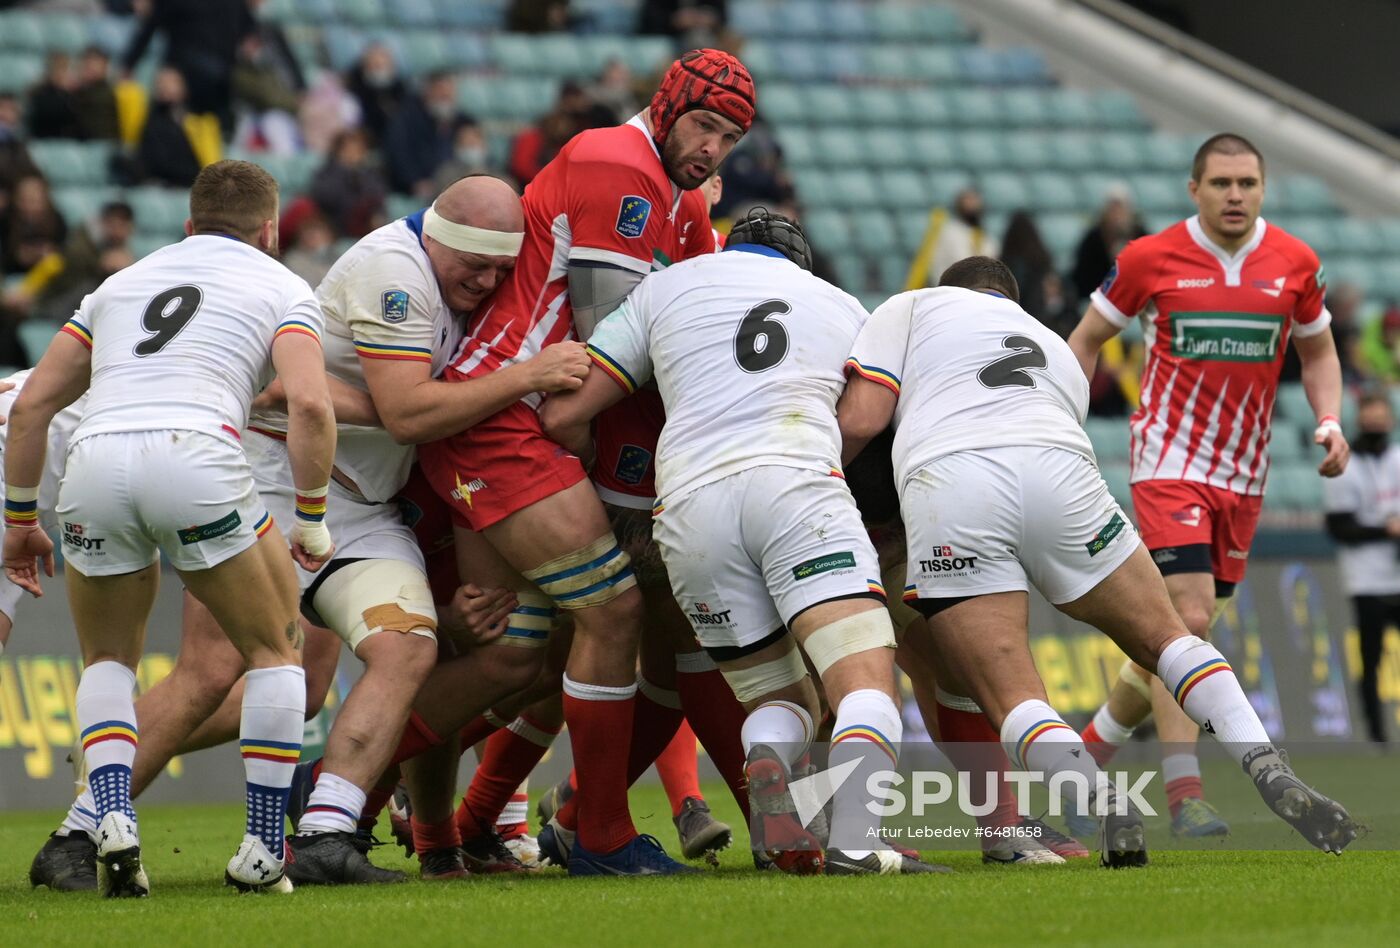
x=334 y=807
x=781 y=725
x=1109 y=729
x=269 y=736
x=1038 y=739
x=1205 y=686
x=868 y=730
x=106 y=709
x=82 y=816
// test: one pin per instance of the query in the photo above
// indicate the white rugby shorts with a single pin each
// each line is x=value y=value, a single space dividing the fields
x=748 y=553
x=360 y=530
x=128 y=496
x=1004 y=519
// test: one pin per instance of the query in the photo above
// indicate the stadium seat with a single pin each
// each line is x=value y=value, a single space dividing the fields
x=1025 y=107
x=1388 y=235
x=1173 y=153
x=892 y=270
x=800 y=62
x=1004 y=190
x=1302 y=194
x=467 y=49
x=161 y=211
x=402 y=205
x=1026 y=151
x=1387 y=280
x=1356 y=236
x=799 y=146
x=933 y=64
x=22 y=30
x=362 y=12
x=1285 y=444
x=79 y=203
x=1118 y=109
x=846 y=20
x=1292 y=403
x=71 y=162
x=1120 y=151
x=903 y=189
x=926 y=107
x=874 y=234
x=755 y=18
x=976 y=108
x=35 y=336
x=853 y=189
x=111 y=33
x=1062 y=234
x=827 y=105
x=145 y=244
x=875 y=105
x=344 y=45
x=1319 y=233
x=838 y=148
x=1073 y=151
x=1049 y=191
x=783 y=104
x=887 y=148
x=19 y=71
x=414 y=13
x=943 y=186
x=1109 y=437
x=829 y=231
x=1158 y=193
x=982 y=150
x=911 y=222
x=424 y=51
x=850 y=273
x=1070 y=108
x=935 y=149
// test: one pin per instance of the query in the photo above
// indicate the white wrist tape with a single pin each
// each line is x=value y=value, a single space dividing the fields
x=312 y=536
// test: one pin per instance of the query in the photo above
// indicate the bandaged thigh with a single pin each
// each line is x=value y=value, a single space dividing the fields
x=376 y=596
x=849 y=636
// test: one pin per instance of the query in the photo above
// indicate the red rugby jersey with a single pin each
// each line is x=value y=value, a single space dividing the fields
x=1217 y=326
x=605 y=198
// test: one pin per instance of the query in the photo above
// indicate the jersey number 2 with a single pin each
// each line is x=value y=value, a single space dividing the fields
x=167 y=314
x=761 y=341
x=1011 y=369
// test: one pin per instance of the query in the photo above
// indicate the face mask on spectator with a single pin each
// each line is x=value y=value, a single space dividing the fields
x=473 y=156
x=443 y=110
x=379 y=78
x=1372 y=442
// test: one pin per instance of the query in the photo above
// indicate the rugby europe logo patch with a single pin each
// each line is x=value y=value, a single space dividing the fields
x=632 y=215
x=395 y=306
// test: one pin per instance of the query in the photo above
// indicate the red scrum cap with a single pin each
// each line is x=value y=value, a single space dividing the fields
x=703 y=79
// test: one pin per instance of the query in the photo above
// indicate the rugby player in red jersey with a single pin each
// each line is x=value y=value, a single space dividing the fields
x=1220 y=296
x=615 y=204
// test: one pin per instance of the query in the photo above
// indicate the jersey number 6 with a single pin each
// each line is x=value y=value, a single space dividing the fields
x=1011 y=369
x=761 y=341
x=166 y=315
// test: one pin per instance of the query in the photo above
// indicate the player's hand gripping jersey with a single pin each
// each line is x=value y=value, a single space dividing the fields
x=1217 y=326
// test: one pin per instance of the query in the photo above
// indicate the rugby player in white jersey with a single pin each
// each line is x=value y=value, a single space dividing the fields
x=999 y=490
x=155 y=466
x=759 y=534
x=394 y=306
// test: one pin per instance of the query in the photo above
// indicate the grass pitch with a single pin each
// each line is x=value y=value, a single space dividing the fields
x=1235 y=898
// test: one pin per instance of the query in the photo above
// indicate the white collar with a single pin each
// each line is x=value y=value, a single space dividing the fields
x=1231 y=263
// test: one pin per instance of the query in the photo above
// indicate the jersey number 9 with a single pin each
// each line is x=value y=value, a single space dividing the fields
x=169 y=312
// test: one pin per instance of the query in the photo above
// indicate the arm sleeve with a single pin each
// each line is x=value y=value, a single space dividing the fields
x=618 y=215
x=620 y=345
x=1310 y=316
x=1343 y=528
x=385 y=304
x=1127 y=287
x=878 y=353
x=595 y=290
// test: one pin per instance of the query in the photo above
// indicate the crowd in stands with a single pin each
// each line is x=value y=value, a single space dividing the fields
x=382 y=139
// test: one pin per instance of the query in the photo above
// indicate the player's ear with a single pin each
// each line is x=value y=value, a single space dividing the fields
x=267 y=237
x=189 y=227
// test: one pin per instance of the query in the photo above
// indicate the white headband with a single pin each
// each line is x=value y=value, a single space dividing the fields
x=468 y=239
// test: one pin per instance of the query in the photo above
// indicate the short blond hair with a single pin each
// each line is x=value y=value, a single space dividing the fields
x=233 y=197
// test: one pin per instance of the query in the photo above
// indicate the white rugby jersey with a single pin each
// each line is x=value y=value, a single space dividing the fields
x=60 y=432
x=381 y=301
x=972 y=371
x=182 y=339
x=747 y=349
